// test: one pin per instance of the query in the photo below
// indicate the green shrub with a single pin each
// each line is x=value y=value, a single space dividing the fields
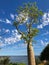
x=47 y=63
x=17 y=64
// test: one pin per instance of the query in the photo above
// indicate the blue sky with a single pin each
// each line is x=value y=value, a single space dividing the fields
x=10 y=42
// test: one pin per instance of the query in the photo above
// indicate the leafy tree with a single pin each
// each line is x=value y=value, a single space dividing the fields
x=45 y=53
x=4 y=61
x=28 y=15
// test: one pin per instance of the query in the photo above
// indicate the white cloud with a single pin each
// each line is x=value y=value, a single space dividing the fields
x=44 y=16
x=1 y=44
x=45 y=20
x=40 y=26
x=8 y=21
x=0 y=20
x=22 y=16
x=44 y=43
x=14 y=31
x=12 y=16
x=47 y=43
x=4 y=30
x=15 y=37
x=46 y=33
x=7 y=31
x=10 y=40
x=45 y=23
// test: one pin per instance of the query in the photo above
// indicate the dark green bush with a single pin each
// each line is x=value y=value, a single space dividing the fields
x=47 y=63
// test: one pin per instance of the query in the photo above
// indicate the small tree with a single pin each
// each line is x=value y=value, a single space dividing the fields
x=28 y=15
x=4 y=61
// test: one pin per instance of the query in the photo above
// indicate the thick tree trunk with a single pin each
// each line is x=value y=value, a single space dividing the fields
x=31 y=57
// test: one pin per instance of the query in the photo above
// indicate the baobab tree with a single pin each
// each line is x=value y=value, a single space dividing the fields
x=28 y=15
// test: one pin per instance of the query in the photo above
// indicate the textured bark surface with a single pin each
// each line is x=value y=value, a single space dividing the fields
x=31 y=57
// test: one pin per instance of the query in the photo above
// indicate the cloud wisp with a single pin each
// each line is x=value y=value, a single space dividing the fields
x=46 y=33
x=12 y=16
x=6 y=21
x=14 y=38
x=44 y=43
x=45 y=20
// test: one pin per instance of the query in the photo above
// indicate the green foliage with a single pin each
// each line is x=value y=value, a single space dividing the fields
x=22 y=64
x=16 y=24
x=31 y=11
x=5 y=61
x=47 y=63
x=17 y=64
x=45 y=53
